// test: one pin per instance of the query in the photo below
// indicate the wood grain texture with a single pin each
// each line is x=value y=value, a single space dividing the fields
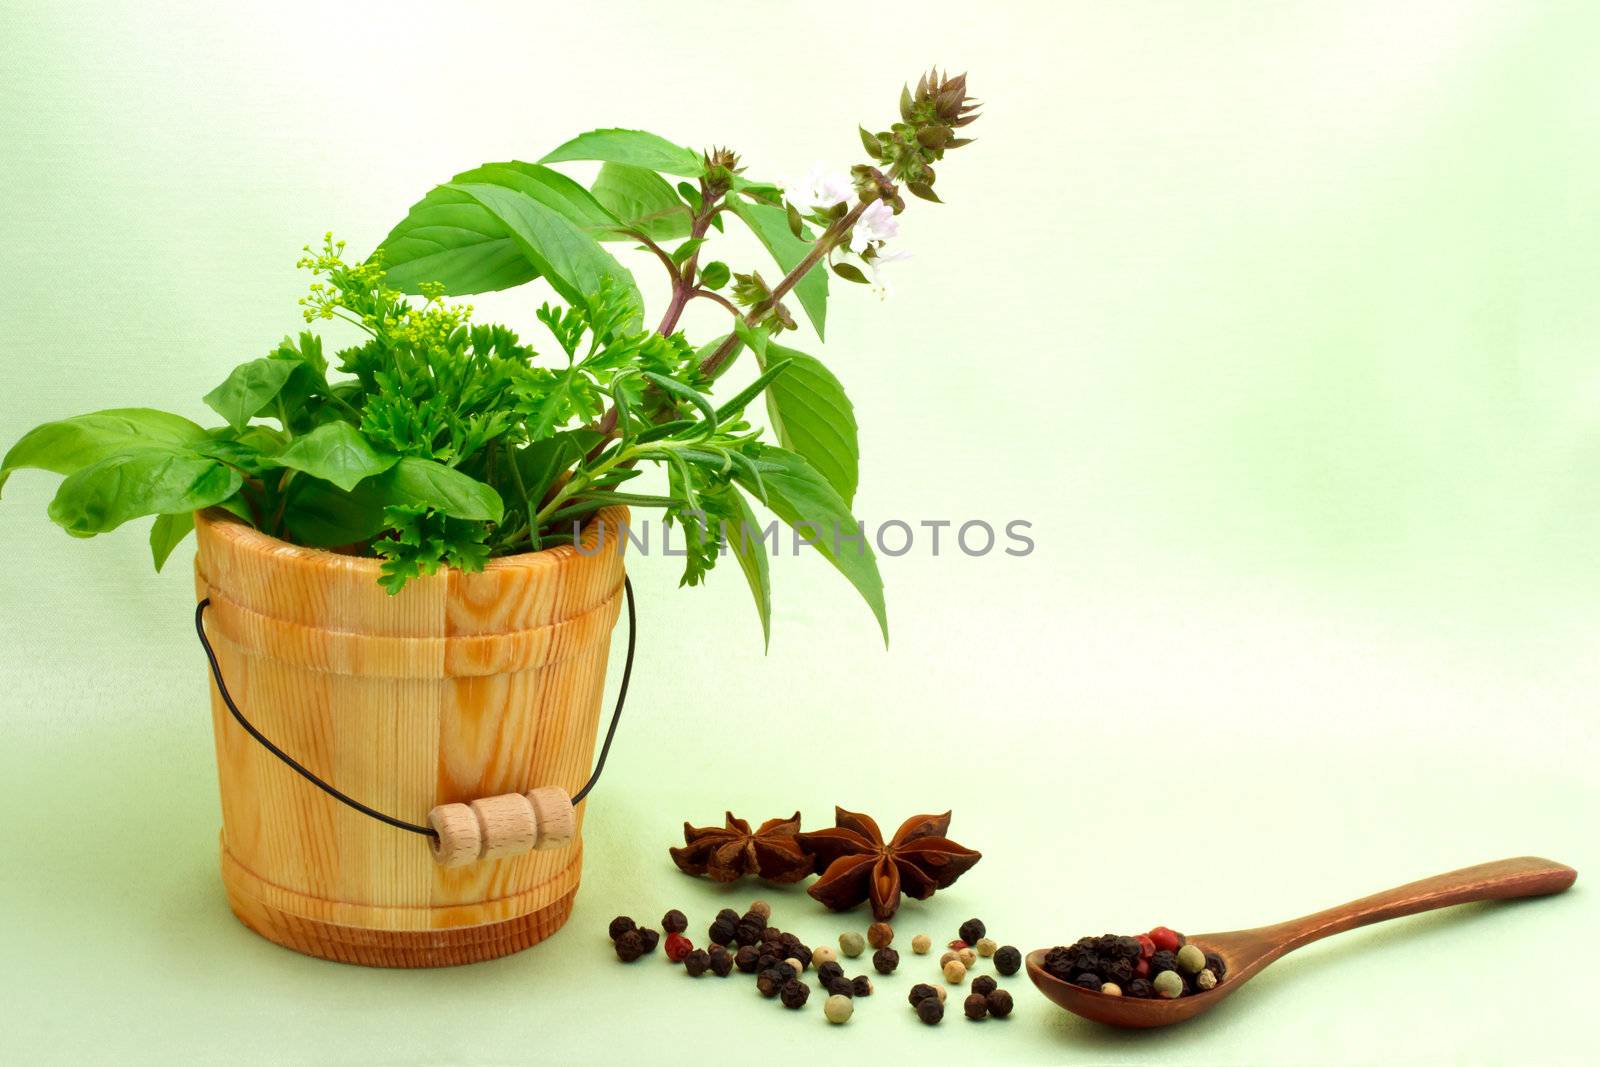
x=1247 y=952
x=461 y=687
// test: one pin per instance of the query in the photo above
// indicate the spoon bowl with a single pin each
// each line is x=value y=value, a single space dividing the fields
x=1245 y=953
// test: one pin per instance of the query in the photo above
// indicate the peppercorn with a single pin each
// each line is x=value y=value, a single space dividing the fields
x=827 y=971
x=723 y=931
x=1088 y=980
x=1163 y=960
x=1165 y=938
x=746 y=959
x=1000 y=1003
x=879 y=935
x=948 y=956
x=971 y=930
x=1141 y=968
x=1140 y=988
x=748 y=931
x=1007 y=959
x=967 y=958
x=920 y=991
x=674 y=922
x=852 y=944
x=984 y=984
x=761 y=908
x=1215 y=964
x=838 y=1009
x=1119 y=970
x=621 y=925
x=1206 y=979
x=861 y=986
x=728 y=915
x=721 y=961
x=976 y=1007
x=787 y=969
x=840 y=986
x=986 y=946
x=1111 y=989
x=1191 y=960
x=1147 y=947
x=794 y=994
x=885 y=960
x=921 y=944
x=768 y=983
x=954 y=972
x=678 y=947
x=697 y=963
x=956 y=945
x=648 y=939
x=1168 y=984
x=797 y=963
x=823 y=954
x=801 y=954
x=628 y=946
x=930 y=1010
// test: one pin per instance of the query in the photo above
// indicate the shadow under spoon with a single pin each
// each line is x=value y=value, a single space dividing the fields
x=1246 y=953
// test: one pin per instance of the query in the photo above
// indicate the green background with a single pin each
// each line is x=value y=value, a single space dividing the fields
x=1277 y=321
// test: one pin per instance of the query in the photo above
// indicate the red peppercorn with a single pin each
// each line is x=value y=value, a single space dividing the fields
x=1141 y=969
x=678 y=947
x=957 y=945
x=1164 y=938
x=1147 y=947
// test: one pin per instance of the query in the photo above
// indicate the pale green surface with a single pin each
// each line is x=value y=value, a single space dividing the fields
x=1301 y=300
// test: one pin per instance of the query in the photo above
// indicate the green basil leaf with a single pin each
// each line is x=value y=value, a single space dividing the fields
x=714 y=275
x=801 y=497
x=812 y=416
x=636 y=148
x=541 y=462
x=450 y=238
x=146 y=481
x=750 y=549
x=167 y=533
x=643 y=200
x=69 y=445
x=424 y=483
x=569 y=259
x=249 y=388
x=336 y=452
x=771 y=227
x=321 y=515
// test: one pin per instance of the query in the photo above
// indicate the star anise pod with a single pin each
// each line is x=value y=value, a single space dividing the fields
x=856 y=864
x=727 y=853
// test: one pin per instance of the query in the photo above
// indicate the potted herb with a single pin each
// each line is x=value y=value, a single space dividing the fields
x=408 y=549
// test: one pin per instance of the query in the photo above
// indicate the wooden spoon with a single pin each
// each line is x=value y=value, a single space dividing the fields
x=1246 y=952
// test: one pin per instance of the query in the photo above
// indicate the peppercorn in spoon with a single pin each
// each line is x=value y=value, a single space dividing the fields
x=1246 y=953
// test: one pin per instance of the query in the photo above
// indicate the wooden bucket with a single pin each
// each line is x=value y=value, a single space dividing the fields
x=462 y=686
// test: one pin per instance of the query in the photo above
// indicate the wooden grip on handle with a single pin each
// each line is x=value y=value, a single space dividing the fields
x=507 y=825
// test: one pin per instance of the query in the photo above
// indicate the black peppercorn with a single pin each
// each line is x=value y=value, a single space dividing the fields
x=1163 y=960
x=1139 y=987
x=976 y=1007
x=885 y=960
x=921 y=991
x=786 y=970
x=1215 y=965
x=984 y=985
x=621 y=925
x=765 y=961
x=723 y=931
x=1007 y=959
x=794 y=994
x=828 y=971
x=930 y=1010
x=648 y=938
x=768 y=983
x=1000 y=1003
x=721 y=961
x=628 y=946
x=971 y=930
x=746 y=959
x=728 y=914
x=1088 y=981
x=840 y=986
x=674 y=922
x=861 y=986
x=697 y=962
x=1119 y=971
x=748 y=931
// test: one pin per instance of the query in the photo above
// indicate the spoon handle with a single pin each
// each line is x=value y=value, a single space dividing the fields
x=1525 y=876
